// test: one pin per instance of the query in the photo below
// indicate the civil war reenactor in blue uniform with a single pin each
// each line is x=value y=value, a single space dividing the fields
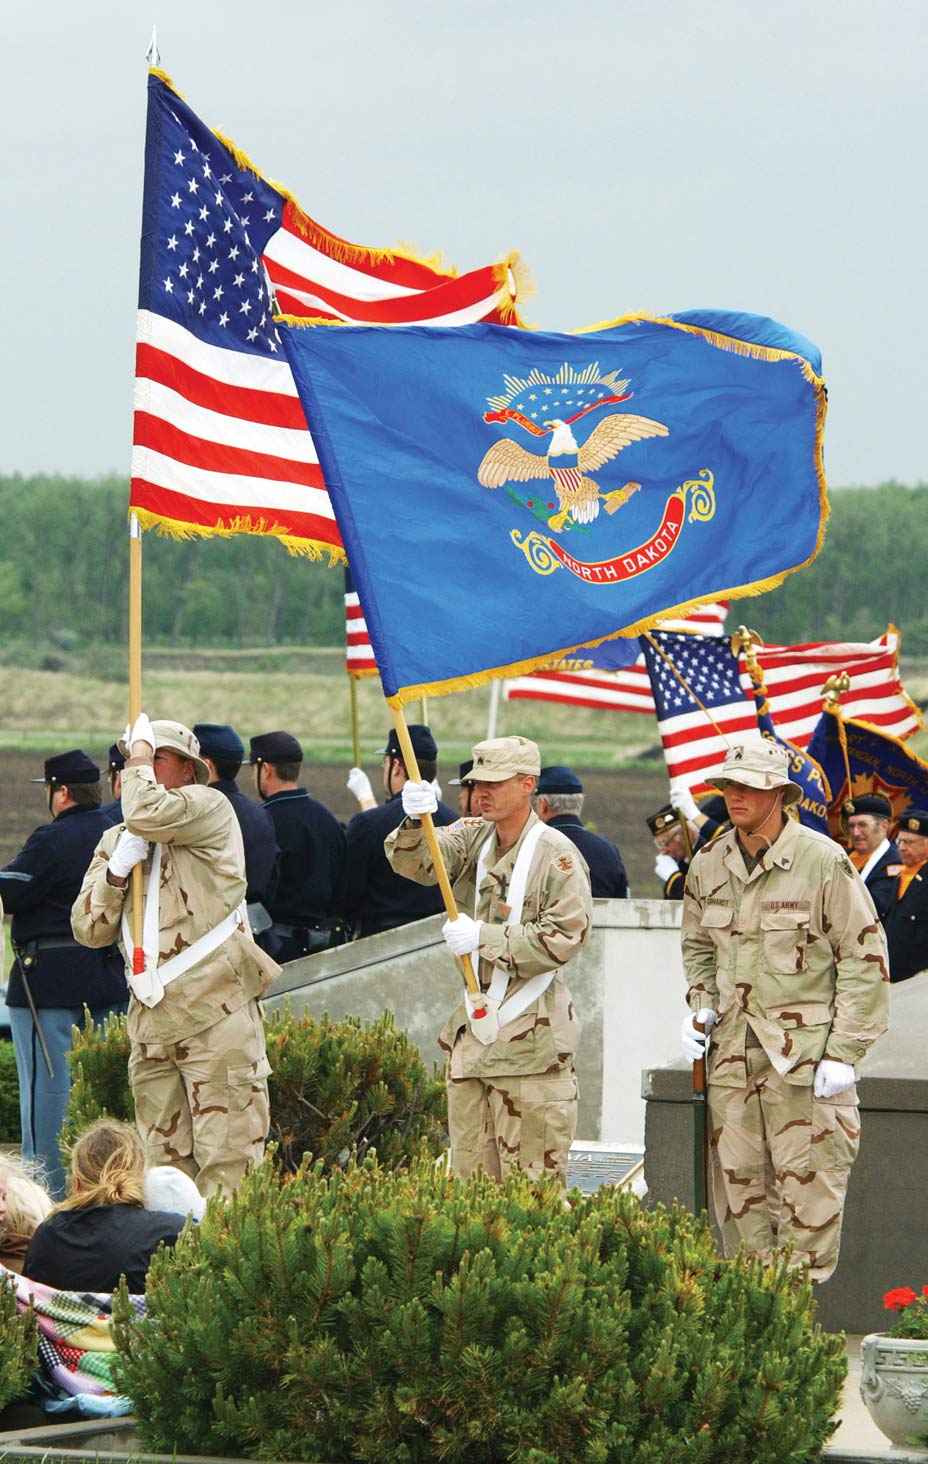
x=306 y=908
x=223 y=751
x=376 y=898
x=866 y=821
x=907 y=919
x=53 y=978
x=116 y=763
x=559 y=802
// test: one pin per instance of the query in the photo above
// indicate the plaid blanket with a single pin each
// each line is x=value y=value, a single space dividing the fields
x=76 y=1346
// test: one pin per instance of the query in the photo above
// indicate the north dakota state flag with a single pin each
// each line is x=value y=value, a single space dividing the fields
x=506 y=496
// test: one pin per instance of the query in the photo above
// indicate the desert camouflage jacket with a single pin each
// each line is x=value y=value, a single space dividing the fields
x=556 y=916
x=202 y=881
x=794 y=949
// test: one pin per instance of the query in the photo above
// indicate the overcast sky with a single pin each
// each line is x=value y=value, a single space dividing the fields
x=659 y=156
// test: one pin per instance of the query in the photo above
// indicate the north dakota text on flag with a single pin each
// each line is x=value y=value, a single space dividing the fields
x=507 y=496
x=220 y=442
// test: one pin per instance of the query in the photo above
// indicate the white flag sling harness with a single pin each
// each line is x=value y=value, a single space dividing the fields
x=148 y=986
x=536 y=985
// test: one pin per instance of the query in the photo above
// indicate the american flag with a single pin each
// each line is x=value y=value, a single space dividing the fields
x=794 y=677
x=359 y=656
x=220 y=441
x=625 y=690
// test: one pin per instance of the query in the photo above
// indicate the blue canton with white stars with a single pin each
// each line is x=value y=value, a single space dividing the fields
x=705 y=662
x=206 y=223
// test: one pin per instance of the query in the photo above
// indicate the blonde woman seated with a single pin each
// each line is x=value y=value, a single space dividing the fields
x=24 y=1204
x=102 y=1230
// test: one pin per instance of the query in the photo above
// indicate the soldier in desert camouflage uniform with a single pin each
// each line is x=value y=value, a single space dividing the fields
x=512 y=1087
x=198 y=1065
x=786 y=964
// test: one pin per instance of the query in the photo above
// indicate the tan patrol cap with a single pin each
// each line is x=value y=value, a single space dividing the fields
x=177 y=738
x=761 y=764
x=504 y=757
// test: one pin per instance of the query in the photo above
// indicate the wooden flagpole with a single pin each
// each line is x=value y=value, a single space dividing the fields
x=135 y=707
x=444 y=883
x=355 y=726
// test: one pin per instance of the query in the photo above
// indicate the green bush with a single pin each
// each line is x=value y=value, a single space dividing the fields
x=405 y=1316
x=337 y=1089
x=19 y=1346
x=9 y=1096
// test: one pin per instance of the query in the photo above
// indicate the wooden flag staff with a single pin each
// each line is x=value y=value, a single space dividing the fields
x=135 y=707
x=444 y=883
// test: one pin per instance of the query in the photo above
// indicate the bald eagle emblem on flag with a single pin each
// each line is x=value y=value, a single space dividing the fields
x=550 y=406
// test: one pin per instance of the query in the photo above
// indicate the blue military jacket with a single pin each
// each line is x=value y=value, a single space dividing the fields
x=377 y=898
x=882 y=884
x=38 y=888
x=608 y=880
x=262 y=855
x=312 y=859
x=906 y=926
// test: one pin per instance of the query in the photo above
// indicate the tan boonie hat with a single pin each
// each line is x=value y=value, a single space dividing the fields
x=762 y=764
x=177 y=738
x=504 y=757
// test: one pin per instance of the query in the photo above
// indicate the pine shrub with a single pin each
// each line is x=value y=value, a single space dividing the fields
x=19 y=1348
x=9 y=1096
x=337 y=1089
x=404 y=1316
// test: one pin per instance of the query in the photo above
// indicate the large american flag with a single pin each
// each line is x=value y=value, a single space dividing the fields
x=695 y=743
x=625 y=690
x=220 y=442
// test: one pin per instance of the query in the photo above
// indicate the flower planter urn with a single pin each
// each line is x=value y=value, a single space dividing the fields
x=894 y=1385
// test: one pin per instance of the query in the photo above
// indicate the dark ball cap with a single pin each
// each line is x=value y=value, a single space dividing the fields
x=423 y=743
x=116 y=759
x=662 y=819
x=867 y=803
x=69 y=767
x=463 y=769
x=220 y=742
x=914 y=821
x=275 y=747
x=558 y=779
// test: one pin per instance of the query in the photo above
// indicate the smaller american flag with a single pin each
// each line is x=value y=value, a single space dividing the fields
x=359 y=656
x=695 y=743
x=623 y=690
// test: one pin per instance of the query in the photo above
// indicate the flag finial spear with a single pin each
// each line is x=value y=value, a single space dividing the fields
x=153 y=55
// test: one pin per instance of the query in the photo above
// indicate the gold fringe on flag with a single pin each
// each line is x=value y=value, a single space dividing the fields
x=305 y=548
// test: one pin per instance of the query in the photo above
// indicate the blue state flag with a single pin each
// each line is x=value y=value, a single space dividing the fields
x=875 y=761
x=506 y=497
x=811 y=808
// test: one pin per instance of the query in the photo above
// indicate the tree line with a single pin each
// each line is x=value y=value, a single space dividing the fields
x=64 y=576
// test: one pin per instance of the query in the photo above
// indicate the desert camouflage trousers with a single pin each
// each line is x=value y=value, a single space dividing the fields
x=780 y=1165
x=202 y=1104
x=526 y=1123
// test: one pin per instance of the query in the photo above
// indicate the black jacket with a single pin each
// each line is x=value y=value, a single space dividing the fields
x=882 y=884
x=376 y=898
x=311 y=841
x=608 y=880
x=907 y=929
x=261 y=852
x=89 y=1249
x=38 y=888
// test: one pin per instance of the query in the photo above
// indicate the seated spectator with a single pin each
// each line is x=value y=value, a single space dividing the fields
x=24 y=1204
x=172 y=1192
x=102 y=1230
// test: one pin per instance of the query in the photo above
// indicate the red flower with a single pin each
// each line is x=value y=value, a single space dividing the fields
x=925 y=1291
x=900 y=1298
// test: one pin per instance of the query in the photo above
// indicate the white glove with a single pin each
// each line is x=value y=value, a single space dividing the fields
x=130 y=850
x=436 y=788
x=696 y=1044
x=682 y=801
x=462 y=936
x=664 y=867
x=418 y=798
x=140 y=731
x=832 y=1077
x=360 y=785
x=485 y=1028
